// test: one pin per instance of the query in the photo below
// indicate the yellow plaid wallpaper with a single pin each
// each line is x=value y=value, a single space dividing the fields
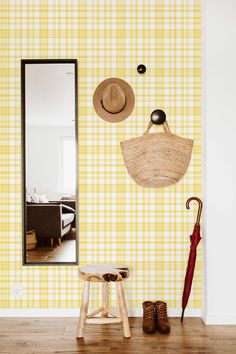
x=119 y=221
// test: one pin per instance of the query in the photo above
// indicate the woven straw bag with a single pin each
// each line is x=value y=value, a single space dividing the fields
x=157 y=160
x=31 y=240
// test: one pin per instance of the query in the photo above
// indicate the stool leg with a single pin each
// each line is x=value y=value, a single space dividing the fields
x=104 y=299
x=83 y=309
x=123 y=309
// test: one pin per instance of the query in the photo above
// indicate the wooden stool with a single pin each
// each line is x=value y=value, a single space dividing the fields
x=103 y=273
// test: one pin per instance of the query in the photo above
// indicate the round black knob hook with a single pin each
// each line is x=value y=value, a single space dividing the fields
x=158 y=117
x=141 y=68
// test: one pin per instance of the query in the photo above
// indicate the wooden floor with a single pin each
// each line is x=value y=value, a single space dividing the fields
x=64 y=253
x=58 y=335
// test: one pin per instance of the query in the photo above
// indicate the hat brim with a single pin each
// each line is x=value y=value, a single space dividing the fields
x=129 y=106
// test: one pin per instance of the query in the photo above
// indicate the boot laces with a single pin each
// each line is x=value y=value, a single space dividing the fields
x=162 y=311
x=149 y=312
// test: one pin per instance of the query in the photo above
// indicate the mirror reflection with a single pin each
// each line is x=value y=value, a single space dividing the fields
x=50 y=218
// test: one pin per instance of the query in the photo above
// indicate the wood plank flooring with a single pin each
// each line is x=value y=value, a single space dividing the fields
x=64 y=253
x=58 y=335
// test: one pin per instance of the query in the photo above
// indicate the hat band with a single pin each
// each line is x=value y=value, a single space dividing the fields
x=115 y=112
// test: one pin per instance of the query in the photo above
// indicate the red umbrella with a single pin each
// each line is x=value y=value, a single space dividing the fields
x=194 y=239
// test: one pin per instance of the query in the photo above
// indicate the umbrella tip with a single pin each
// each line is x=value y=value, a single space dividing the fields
x=182 y=316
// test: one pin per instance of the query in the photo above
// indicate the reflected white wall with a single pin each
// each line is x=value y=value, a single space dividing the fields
x=44 y=160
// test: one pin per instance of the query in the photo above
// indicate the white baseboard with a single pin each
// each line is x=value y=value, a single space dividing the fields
x=171 y=312
x=74 y=312
x=220 y=319
x=137 y=312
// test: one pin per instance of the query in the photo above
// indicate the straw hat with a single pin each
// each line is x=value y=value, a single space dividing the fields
x=113 y=100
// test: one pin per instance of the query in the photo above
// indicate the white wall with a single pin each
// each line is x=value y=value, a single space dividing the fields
x=43 y=159
x=219 y=62
x=50 y=94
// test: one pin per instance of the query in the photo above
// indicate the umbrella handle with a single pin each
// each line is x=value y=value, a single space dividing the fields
x=199 y=207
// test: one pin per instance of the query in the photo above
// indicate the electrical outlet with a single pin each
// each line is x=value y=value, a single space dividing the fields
x=17 y=290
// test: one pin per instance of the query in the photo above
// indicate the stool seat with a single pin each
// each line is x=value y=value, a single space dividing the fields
x=104 y=272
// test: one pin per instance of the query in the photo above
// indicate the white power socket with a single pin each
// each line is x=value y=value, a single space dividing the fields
x=17 y=290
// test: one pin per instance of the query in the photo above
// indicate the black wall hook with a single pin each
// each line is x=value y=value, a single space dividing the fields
x=158 y=117
x=141 y=69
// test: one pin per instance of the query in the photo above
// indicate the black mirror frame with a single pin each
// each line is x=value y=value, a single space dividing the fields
x=23 y=162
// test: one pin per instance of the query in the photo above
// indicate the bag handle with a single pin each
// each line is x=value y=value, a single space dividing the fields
x=158 y=117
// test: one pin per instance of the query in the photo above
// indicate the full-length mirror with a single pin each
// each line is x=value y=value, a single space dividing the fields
x=49 y=142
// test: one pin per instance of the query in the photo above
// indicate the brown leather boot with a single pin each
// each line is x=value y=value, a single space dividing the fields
x=162 y=323
x=149 y=317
